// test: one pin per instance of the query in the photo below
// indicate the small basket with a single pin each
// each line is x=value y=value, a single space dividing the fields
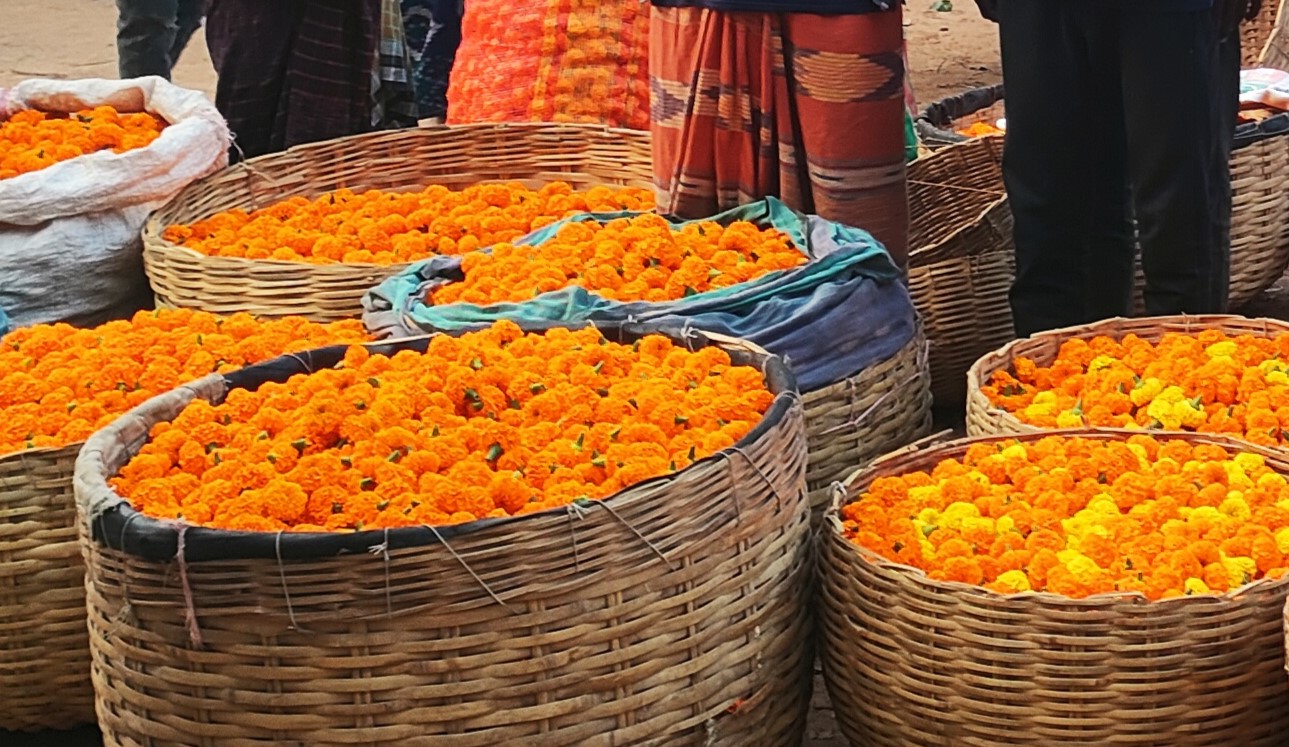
x=984 y=419
x=673 y=613
x=938 y=124
x=961 y=262
x=402 y=160
x=856 y=420
x=44 y=646
x=914 y=662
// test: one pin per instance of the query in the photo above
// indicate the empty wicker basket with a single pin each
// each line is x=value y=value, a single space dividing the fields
x=401 y=160
x=911 y=661
x=673 y=613
x=961 y=260
x=44 y=646
x=983 y=418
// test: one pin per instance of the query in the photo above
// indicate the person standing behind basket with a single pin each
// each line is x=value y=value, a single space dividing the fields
x=1118 y=108
x=151 y=34
x=293 y=71
x=433 y=29
x=798 y=100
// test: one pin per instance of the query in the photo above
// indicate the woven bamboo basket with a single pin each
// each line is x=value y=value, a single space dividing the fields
x=961 y=260
x=44 y=647
x=852 y=422
x=1259 y=187
x=913 y=661
x=674 y=613
x=402 y=160
x=1263 y=40
x=984 y=419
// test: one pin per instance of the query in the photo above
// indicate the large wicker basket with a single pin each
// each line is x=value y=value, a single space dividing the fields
x=44 y=648
x=983 y=418
x=856 y=420
x=674 y=613
x=403 y=160
x=961 y=260
x=913 y=661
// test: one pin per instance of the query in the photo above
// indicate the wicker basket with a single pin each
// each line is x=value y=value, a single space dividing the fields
x=674 y=613
x=938 y=124
x=401 y=160
x=913 y=661
x=1263 y=42
x=984 y=419
x=44 y=650
x=961 y=262
x=854 y=421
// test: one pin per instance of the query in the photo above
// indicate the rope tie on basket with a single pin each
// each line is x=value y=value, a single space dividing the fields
x=469 y=570
x=190 y=609
x=125 y=615
x=863 y=416
x=736 y=450
x=383 y=550
x=575 y=512
x=636 y=532
x=286 y=593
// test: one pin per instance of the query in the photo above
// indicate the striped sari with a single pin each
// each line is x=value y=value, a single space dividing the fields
x=808 y=108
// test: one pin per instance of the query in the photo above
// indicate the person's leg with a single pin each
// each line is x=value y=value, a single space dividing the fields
x=145 y=32
x=188 y=17
x=1179 y=103
x=1048 y=158
x=250 y=43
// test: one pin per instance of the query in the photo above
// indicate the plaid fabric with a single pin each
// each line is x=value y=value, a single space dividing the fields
x=393 y=100
x=293 y=71
x=807 y=108
x=433 y=34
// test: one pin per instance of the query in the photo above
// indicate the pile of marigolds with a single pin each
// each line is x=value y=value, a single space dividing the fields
x=491 y=424
x=32 y=140
x=1207 y=382
x=1079 y=517
x=59 y=384
x=386 y=228
x=642 y=258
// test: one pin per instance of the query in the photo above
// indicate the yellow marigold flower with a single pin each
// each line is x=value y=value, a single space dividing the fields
x=1224 y=349
x=1282 y=541
x=1005 y=524
x=1016 y=451
x=1014 y=581
x=1045 y=398
x=928 y=515
x=1146 y=391
x=1272 y=481
x=1069 y=419
x=1239 y=570
x=1251 y=462
x=956 y=513
x=1278 y=377
x=1102 y=361
x=1196 y=586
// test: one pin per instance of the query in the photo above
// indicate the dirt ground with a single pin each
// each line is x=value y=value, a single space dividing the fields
x=948 y=53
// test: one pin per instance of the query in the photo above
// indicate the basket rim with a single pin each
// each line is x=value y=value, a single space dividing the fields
x=128 y=524
x=153 y=243
x=42 y=452
x=862 y=478
x=990 y=363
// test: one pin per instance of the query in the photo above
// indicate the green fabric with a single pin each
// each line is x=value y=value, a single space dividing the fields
x=910 y=138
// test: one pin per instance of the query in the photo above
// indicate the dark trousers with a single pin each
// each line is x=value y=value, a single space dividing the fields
x=1115 y=114
x=151 y=34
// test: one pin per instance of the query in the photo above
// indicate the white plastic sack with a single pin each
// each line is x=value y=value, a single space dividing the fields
x=69 y=234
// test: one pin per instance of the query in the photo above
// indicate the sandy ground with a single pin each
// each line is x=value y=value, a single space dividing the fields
x=948 y=53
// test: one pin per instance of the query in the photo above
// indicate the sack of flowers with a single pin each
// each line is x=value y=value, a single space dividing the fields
x=306 y=232
x=82 y=163
x=1214 y=374
x=585 y=537
x=824 y=296
x=57 y=386
x=1077 y=587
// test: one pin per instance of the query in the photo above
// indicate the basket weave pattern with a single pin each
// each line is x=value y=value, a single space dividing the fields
x=402 y=160
x=854 y=421
x=983 y=418
x=961 y=262
x=913 y=661
x=44 y=651
x=672 y=614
